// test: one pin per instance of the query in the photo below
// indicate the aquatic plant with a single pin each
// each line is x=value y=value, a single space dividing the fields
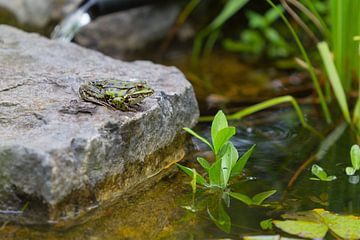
x=355 y=160
x=227 y=165
x=320 y=174
x=260 y=37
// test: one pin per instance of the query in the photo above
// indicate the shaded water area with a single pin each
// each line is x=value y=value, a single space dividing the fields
x=282 y=146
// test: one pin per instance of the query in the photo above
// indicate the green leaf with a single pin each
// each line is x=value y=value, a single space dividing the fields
x=272 y=14
x=260 y=197
x=303 y=228
x=355 y=156
x=240 y=164
x=242 y=197
x=222 y=137
x=350 y=171
x=346 y=227
x=256 y=20
x=268 y=237
x=199 y=179
x=215 y=177
x=198 y=137
x=334 y=78
x=266 y=224
x=223 y=221
x=318 y=171
x=218 y=123
x=194 y=180
x=204 y=163
x=228 y=160
x=231 y=7
x=321 y=174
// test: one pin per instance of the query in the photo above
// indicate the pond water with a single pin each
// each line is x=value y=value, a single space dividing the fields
x=282 y=147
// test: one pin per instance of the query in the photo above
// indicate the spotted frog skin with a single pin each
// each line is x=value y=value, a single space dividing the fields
x=115 y=94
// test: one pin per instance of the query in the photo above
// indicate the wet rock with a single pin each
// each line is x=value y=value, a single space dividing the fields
x=60 y=156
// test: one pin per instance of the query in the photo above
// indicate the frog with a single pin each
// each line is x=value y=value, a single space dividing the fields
x=115 y=94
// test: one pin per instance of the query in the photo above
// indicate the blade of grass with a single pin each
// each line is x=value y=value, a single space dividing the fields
x=321 y=25
x=199 y=137
x=231 y=7
x=332 y=73
x=307 y=60
x=266 y=104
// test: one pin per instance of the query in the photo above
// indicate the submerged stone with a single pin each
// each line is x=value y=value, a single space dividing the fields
x=60 y=156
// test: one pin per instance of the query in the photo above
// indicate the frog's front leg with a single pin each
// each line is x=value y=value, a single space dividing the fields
x=121 y=103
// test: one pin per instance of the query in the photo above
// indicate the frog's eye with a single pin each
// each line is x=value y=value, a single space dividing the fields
x=140 y=85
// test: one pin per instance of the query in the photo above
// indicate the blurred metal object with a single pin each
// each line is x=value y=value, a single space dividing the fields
x=89 y=10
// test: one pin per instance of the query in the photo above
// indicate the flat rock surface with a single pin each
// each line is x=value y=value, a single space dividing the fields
x=53 y=144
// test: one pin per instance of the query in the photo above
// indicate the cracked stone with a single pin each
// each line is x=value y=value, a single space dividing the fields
x=61 y=163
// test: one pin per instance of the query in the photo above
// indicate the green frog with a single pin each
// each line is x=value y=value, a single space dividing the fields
x=115 y=94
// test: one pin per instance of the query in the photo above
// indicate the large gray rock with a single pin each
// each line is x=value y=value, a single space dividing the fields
x=61 y=155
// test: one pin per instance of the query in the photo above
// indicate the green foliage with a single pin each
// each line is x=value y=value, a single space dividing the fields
x=230 y=8
x=334 y=79
x=320 y=173
x=355 y=160
x=227 y=165
x=260 y=36
x=316 y=223
x=266 y=224
x=308 y=62
x=227 y=162
x=256 y=200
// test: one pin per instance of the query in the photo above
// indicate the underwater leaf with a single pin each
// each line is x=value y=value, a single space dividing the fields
x=302 y=228
x=240 y=164
x=199 y=179
x=199 y=137
x=222 y=137
x=204 y=163
x=355 y=156
x=215 y=176
x=223 y=221
x=346 y=227
x=260 y=197
x=242 y=197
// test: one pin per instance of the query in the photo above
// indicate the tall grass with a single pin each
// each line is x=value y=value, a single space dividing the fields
x=307 y=60
x=345 y=23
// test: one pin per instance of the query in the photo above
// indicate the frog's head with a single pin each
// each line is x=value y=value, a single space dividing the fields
x=138 y=92
x=88 y=91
